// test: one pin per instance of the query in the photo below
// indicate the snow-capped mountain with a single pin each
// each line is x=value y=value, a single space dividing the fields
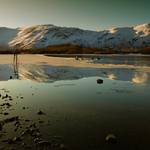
x=42 y=36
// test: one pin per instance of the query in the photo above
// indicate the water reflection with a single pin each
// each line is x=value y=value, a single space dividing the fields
x=46 y=73
x=140 y=77
x=34 y=73
x=137 y=60
x=139 y=73
x=112 y=76
x=15 y=66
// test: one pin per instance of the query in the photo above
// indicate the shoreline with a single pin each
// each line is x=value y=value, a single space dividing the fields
x=64 y=61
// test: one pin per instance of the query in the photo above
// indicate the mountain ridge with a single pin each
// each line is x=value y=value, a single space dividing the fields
x=43 y=36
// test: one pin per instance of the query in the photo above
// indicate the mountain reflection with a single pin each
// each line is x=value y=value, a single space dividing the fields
x=33 y=72
x=47 y=73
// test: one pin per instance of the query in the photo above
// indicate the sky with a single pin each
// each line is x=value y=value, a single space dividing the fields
x=85 y=14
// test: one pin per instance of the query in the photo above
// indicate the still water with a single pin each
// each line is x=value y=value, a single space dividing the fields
x=69 y=110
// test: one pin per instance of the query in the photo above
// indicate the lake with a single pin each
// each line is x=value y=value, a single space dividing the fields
x=45 y=105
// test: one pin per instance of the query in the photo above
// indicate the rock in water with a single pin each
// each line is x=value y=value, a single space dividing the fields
x=99 y=81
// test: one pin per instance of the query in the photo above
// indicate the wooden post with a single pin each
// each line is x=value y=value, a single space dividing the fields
x=15 y=64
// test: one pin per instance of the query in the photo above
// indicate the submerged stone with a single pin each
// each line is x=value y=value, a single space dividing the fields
x=40 y=113
x=1 y=126
x=44 y=143
x=62 y=147
x=37 y=140
x=41 y=121
x=6 y=104
x=23 y=108
x=12 y=119
x=15 y=139
x=111 y=139
x=6 y=96
x=6 y=113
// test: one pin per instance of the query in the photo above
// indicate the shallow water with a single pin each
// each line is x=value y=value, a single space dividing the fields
x=78 y=112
